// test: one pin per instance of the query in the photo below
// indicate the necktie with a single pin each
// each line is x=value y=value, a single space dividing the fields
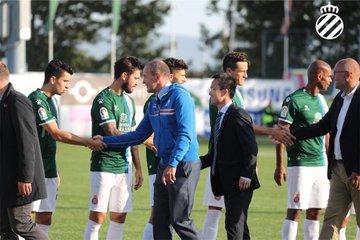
x=216 y=137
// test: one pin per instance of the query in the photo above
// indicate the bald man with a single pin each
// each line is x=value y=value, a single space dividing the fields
x=308 y=186
x=343 y=123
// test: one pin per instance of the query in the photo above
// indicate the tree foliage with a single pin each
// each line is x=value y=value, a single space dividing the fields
x=77 y=22
x=259 y=22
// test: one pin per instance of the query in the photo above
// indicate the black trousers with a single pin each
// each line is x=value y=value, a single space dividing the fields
x=173 y=203
x=17 y=221
x=237 y=205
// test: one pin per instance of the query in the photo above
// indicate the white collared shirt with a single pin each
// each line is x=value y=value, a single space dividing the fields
x=223 y=110
x=340 y=121
x=164 y=90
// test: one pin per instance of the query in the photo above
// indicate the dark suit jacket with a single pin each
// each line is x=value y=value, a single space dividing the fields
x=236 y=153
x=350 y=135
x=20 y=155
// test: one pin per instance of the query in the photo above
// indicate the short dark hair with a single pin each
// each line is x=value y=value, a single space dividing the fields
x=232 y=58
x=176 y=64
x=127 y=64
x=226 y=82
x=56 y=68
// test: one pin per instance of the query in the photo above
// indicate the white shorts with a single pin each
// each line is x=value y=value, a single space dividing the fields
x=48 y=204
x=151 y=188
x=209 y=198
x=110 y=189
x=308 y=187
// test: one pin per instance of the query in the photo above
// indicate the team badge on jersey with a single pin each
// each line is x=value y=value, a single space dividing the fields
x=317 y=117
x=94 y=200
x=123 y=118
x=42 y=114
x=296 y=197
x=104 y=113
x=284 y=111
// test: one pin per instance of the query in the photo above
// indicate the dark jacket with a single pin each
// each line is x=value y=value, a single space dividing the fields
x=236 y=153
x=350 y=135
x=20 y=155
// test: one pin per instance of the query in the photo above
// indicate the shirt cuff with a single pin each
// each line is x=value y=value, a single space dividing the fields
x=245 y=179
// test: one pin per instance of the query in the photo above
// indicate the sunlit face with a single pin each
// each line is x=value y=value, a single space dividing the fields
x=178 y=76
x=131 y=81
x=217 y=95
x=340 y=76
x=326 y=79
x=239 y=73
x=150 y=81
x=61 y=84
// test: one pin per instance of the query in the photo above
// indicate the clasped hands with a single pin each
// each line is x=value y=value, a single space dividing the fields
x=281 y=134
x=96 y=143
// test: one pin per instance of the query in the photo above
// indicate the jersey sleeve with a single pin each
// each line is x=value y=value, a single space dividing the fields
x=288 y=110
x=103 y=111
x=42 y=111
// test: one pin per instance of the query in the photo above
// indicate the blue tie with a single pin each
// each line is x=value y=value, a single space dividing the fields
x=216 y=137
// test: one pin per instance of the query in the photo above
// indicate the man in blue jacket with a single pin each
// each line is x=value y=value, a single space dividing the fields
x=171 y=118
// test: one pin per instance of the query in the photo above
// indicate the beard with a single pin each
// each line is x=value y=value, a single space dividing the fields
x=126 y=88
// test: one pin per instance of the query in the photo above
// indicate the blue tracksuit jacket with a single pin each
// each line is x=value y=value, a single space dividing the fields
x=172 y=119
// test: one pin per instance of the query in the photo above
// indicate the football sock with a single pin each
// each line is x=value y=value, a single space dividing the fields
x=115 y=231
x=289 y=230
x=311 y=229
x=92 y=230
x=148 y=232
x=211 y=223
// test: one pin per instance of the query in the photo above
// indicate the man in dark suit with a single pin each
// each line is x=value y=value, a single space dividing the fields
x=232 y=157
x=343 y=123
x=22 y=178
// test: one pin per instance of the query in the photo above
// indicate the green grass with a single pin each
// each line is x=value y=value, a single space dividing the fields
x=266 y=213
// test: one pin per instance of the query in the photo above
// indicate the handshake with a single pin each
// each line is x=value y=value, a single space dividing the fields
x=96 y=143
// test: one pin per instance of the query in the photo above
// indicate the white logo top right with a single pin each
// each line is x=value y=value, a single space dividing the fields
x=329 y=25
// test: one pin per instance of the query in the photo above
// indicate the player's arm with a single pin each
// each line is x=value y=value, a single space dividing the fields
x=70 y=138
x=136 y=161
x=280 y=172
x=280 y=135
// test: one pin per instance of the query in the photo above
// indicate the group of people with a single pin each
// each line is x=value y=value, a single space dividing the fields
x=29 y=131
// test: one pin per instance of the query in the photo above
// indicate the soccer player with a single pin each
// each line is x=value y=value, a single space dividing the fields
x=178 y=69
x=113 y=113
x=236 y=65
x=57 y=80
x=308 y=186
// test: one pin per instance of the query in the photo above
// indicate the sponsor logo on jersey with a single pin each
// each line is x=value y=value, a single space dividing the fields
x=317 y=117
x=42 y=114
x=104 y=113
x=284 y=111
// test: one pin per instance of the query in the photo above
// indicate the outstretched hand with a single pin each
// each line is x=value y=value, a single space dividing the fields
x=282 y=135
x=96 y=143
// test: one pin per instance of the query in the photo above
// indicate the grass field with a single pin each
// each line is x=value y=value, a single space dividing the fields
x=266 y=213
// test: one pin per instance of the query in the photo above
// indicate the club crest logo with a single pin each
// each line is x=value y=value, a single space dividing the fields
x=317 y=117
x=123 y=118
x=296 y=197
x=329 y=25
x=95 y=200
